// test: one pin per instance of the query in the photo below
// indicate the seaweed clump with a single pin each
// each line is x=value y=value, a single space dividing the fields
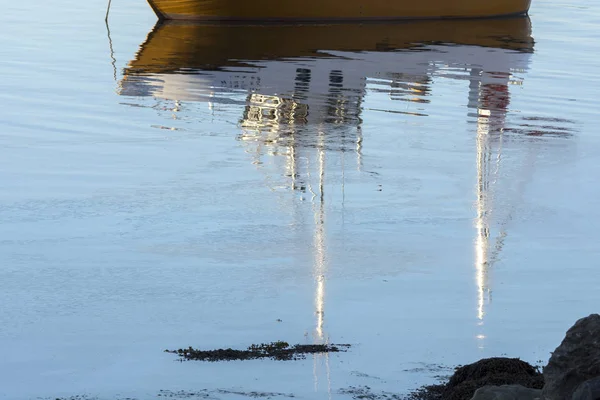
x=279 y=350
x=488 y=371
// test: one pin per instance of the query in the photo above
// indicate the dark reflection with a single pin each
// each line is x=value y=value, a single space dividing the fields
x=301 y=90
x=543 y=126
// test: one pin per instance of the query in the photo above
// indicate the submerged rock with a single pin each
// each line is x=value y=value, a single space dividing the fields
x=575 y=361
x=507 y=392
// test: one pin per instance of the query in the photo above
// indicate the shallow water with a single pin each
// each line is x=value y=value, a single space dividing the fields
x=424 y=192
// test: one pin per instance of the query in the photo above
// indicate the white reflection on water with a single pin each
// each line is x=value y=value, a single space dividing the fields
x=320 y=268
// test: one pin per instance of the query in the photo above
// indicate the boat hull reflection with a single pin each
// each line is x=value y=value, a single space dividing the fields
x=295 y=72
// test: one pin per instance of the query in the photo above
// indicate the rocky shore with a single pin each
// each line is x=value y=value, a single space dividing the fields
x=572 y=373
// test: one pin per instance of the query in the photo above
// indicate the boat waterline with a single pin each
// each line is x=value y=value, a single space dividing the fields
x=334 y=10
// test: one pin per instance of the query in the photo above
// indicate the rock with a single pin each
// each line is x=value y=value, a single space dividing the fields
x=588 y=390
x=507 y=392
x=495 y=371
x=575 y=361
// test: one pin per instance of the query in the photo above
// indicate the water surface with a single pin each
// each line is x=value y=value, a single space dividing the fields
x=424 y=191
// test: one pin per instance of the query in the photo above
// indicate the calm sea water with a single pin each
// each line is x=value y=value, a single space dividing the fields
x=174 y=186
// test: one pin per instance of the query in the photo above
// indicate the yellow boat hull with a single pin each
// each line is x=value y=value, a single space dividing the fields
x=334 y=10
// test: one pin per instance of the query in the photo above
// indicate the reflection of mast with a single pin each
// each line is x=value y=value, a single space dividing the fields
x=489 y=96
x=482 y=224
x=319 y=246
x=320 y=263
x=359 y=140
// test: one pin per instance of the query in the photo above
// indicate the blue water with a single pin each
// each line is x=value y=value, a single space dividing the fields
x=423 y=218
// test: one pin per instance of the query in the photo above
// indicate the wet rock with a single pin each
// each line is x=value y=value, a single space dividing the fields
x=575 y=361
x=588 y=390
x=491 y=371
x=506 y=392
x=495 y=371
